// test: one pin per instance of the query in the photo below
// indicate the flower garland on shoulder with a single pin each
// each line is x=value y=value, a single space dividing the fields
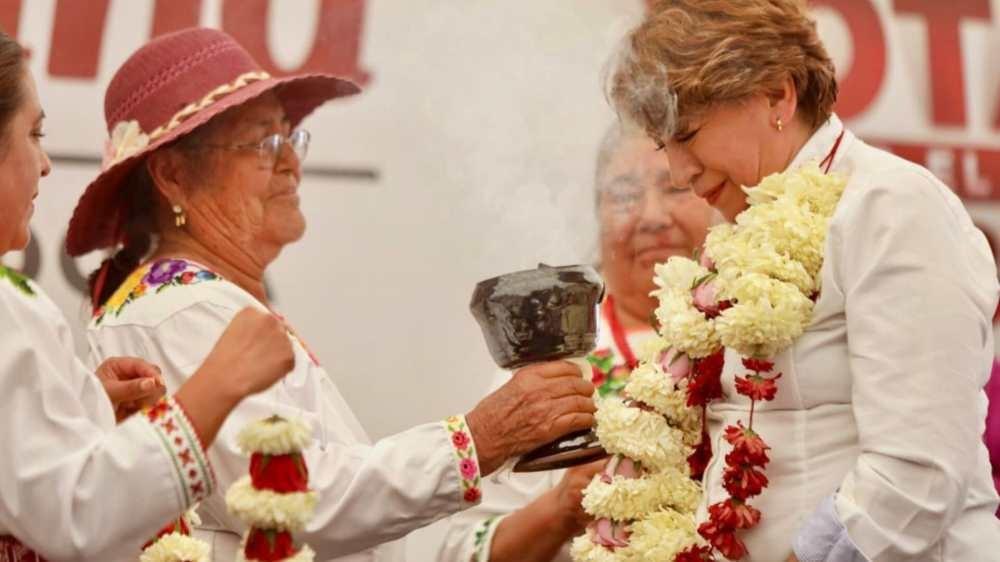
x=274 y=500
x=752 y=291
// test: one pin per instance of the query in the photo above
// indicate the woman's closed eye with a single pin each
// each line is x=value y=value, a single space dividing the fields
x=686 y=136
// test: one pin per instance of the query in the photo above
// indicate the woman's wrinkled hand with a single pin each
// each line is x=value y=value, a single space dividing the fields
x=568 y=495
x=540 y=403
x=131 y=384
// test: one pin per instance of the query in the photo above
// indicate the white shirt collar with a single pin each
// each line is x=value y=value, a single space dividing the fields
x=821 y=143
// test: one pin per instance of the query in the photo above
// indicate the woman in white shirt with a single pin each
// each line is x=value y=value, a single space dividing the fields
x=644 y=219
x=877 y=425
x=81 y=478
x=205 y=155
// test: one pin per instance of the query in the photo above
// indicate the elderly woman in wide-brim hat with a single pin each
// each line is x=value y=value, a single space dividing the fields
x=198 y=195
x=83 y=477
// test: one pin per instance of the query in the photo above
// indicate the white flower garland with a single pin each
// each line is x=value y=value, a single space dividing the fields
x=176 y=547
x=644 y=436
x=623 y=499
x=274 y=436
x=267 y=510
x=756 y=282
x=270 y=510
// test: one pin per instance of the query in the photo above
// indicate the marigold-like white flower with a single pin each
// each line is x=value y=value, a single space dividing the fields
x=739 y=255
x=625 y=499
x=640 y=435
x=650 y=385
x=686 y=329
x=650 y=349
x=176 y=547
x=584 y=550
x=274 y=436
x=661 y=536
x=765 y=327
x=269 y=510
x=678 y=273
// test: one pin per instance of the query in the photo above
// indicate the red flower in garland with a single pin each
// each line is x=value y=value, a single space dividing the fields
x=758 y=365
x=723 y=539
x=269 y=545
x=757 y=387
x=734 y=514
x=597 y=376
x=178 y=525
x=748 y=447
x=695 y=554
x=279 y=473
x=698 y=460
x=705 y=383
x=743 y=481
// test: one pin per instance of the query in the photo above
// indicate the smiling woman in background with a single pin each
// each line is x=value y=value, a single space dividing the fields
x=644 y=219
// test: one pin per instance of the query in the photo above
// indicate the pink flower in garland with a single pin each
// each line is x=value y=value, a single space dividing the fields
x=704 y=299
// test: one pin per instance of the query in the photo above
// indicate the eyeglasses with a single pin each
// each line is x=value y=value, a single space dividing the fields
x=627 y=199
x=269 y=148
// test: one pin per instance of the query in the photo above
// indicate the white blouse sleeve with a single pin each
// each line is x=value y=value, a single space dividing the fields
x=469 y=536
x=73 y=485
x=369 y=494
x=920 y=289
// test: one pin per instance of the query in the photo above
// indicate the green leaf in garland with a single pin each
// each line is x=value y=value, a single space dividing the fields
x=603 y=364
x=300 y=465
x=20 y=282
x=703 y=279
x=265 y=460
x=272 y=538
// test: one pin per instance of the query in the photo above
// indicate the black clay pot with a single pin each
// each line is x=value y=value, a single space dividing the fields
x=537 y=315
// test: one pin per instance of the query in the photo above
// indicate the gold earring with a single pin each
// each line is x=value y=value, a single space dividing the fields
x=780 y=125
x=180 y=219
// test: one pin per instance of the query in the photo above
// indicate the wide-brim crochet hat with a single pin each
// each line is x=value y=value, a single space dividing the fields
x=165 y=90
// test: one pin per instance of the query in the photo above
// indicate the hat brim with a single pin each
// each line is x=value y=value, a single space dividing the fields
x=97 y=218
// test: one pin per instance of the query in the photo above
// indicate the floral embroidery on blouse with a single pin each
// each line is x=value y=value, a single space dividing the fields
x=155 y=278
x=187 y=455
x=483 y=533
x=608 y=373
x=465 y=457
x=20 y=282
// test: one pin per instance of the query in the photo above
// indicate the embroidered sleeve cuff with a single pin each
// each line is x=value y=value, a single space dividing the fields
x=466 y=460
x=181 y=443
x=483 y=538
x=823 y=538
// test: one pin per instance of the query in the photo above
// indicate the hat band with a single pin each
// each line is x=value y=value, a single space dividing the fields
x=128 y=139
